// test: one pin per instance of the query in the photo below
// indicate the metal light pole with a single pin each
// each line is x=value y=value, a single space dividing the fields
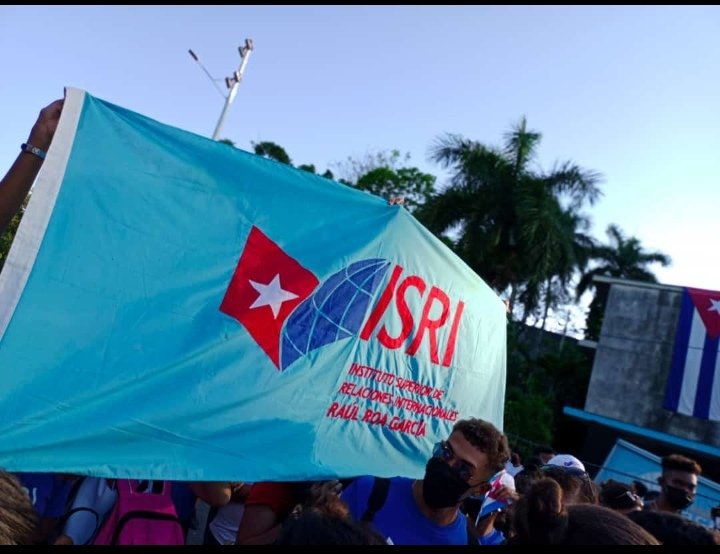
x=232 y=82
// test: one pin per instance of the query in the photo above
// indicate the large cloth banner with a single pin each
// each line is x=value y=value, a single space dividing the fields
x=693 y=385
x=177 y=308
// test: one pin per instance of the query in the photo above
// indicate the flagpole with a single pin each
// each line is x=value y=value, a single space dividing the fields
x=232 y=82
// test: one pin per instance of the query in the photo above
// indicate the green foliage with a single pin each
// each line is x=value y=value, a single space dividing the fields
x=7 y=237
x=227 y=141
x=623 y=258
x=543 y=376
x=517 y=226
x=271 y=150
x=352 y=169
x=384 y=174
x=409 y=182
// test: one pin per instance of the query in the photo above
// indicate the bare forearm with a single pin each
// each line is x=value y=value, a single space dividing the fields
x=15 y=186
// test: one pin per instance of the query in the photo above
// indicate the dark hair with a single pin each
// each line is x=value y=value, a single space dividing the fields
x=640 y=488
x=526 y=477
x=619 y=496
x=544 y=449
x=312 y=527
x=577 y=489
x=486 y=437
x=515 y=459
x=18 y=518
x=679 y=462
x=671 y=528
x=542 y=517
x=534 y=462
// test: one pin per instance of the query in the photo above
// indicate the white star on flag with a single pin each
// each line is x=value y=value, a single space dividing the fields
x=715 y=306
x=271 y=294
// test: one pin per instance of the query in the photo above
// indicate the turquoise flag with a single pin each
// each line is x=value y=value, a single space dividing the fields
x=176 y=308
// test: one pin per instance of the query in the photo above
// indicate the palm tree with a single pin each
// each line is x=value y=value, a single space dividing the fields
x=515 y=224
x=623 y=258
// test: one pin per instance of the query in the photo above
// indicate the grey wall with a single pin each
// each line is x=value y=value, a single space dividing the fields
x=632 y=362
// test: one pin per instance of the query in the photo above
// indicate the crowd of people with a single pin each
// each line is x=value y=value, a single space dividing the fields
x=475 y=491
x=466 y=497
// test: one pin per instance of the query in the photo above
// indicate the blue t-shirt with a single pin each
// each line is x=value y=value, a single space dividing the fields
x=47 y=492
x=493 y=538
x=400 y=518
x=184 y=500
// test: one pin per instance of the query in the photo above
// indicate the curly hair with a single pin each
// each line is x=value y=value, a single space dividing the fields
x=679 y=462
x=18 y=518
x=487 y=438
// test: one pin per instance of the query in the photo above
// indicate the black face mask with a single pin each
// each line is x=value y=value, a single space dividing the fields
x=678 y=498
x=442 y=486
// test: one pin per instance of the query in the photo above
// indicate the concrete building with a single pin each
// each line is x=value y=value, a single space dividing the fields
x=629 y=376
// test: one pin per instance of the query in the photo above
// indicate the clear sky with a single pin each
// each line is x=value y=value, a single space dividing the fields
x=630 y=91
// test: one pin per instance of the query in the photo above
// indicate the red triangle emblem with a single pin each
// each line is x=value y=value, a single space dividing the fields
x=707 y=303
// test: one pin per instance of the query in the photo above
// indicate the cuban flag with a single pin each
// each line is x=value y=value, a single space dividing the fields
x=176 y=308
x=693 y=386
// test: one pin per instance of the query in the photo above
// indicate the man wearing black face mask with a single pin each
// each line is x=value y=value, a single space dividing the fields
x=427 y=511
x=678 y=484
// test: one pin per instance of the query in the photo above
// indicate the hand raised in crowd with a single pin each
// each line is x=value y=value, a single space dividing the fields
x=324 y=496
x=506 y=494
x=16 y=184
x=239 y=491
x=44 y=129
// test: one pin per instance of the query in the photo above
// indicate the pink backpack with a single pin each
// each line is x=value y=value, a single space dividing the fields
x=142 y=516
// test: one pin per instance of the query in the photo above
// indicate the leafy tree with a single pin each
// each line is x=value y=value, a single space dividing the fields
x=623 y=258
x=271 y=150
x=384 y=174
x=7 y=237
x=516 y=226
x=353 y=168
x=409 y=182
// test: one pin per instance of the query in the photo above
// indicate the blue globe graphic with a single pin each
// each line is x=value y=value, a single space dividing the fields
x=333 y=312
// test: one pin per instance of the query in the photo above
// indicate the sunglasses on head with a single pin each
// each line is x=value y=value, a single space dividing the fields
x=631 y=495
x=444 y=452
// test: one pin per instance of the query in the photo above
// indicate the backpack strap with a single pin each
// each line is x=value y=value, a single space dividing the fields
x=376 y=500
x=60 y=525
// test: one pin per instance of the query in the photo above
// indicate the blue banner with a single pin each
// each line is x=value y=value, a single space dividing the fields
x=177 y=308
x=627 y=462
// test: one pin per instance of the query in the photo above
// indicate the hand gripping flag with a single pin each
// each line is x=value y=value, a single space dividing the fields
x=693 y=386
x=176 y=308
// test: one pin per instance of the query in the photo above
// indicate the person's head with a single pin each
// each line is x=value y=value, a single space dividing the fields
x=315 y=527
x=640 y=488
x=620 y=497
x=463 y=464
x=544 y=452
x=525 y=478
x=18 y=518
x=671 y=528
x=542 y=517
x=515 y=459
x=570 y=473
x=678 y=482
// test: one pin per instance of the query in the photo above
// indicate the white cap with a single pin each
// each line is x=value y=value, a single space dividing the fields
x=566 y=461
